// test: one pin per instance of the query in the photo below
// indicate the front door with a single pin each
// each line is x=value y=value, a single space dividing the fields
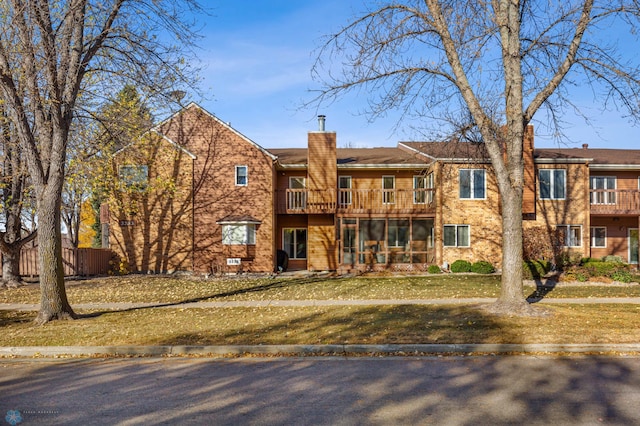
x=349 y=245
x=633 y=245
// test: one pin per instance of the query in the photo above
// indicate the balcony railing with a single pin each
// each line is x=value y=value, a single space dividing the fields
x=615 y=201
x=306 y=201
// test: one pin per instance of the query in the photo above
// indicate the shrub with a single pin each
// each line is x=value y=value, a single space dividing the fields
x=482 y=267
x=596 y=268
x=614 y=259
x=434 y=269
x=622 y=275
x=534 y=269
x=461 y=266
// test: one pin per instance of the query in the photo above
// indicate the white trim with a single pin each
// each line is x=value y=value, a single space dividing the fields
x=387 y=191
x=295 y=243
x=304 y=182
x=471 y=186
x=608 y=167
x=237 y=167
x=551 y=184
x=591 y=238
x=567 y=235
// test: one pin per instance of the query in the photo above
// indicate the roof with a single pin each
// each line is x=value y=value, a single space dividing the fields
x=450 y=150
x=595 y=156
x=355 y=157
x=192 y=105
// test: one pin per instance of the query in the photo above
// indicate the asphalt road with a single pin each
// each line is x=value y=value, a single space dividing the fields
x=484 y=390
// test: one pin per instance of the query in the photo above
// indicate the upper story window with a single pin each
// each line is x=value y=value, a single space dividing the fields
x=552 y=184
x=134 y=177
x=388 y=189
x=297 y=199
x=297 y=182
x=242 y=175
x=602 y=189
x=472 y=184
x=344 y=186
x=419 y=189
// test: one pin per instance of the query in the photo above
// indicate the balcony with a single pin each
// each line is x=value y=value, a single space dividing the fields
x=403 y=201
x=615 y=202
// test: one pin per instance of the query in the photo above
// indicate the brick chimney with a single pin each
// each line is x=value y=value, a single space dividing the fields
x=322 y=166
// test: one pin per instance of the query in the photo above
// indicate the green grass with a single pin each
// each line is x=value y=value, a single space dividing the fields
x=602 y=323
x=158 y=289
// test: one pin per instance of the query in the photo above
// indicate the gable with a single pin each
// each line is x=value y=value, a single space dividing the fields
x=197 y=130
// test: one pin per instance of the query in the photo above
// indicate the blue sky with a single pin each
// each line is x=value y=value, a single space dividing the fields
x=258 y=57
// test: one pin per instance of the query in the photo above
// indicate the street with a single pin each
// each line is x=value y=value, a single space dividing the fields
x=322 y=390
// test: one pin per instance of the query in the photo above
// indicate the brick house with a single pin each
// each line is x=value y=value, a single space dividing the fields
x=216 y=201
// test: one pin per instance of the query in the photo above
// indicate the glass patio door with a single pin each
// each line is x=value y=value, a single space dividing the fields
x=349 y=245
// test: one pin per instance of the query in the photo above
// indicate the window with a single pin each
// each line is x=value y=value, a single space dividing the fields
x=134 y=177
x=239 y=234
x=430 y=187
x=552 y=184
x=456 y=235
x=570 y=234
x=602 y=189
x=344 y=186
x=242 y=173
x=294 y=242
x=419 y=186
x=598 y=236
x=388 y=189
x=472 y=184
x=297 y=196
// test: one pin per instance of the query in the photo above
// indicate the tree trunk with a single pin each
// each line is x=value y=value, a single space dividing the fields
x=11 y=266
x=512 y=290
x=53 y=299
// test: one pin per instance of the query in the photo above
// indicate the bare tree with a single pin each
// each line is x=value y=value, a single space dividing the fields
x=13 y=195
x=500 y=61
x=54 y=52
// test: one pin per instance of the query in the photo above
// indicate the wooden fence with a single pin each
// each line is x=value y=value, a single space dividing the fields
x=76 y=261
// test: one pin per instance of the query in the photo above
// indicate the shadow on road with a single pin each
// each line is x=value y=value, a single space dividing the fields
x=450 y=390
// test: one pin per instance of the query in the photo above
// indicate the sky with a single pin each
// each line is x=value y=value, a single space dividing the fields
x=257 y=57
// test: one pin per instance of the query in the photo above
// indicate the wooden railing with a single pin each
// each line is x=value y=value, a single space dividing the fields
x=614 y=201
x=305 y=201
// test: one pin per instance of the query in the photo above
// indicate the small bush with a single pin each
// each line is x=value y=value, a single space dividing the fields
x=534 y=269
x=434 y=269
x=614 y=259
x=461 y=266
x=482 y=267
x=622 y=275
x=596 y=268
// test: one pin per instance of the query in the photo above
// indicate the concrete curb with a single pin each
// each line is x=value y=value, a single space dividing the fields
x=317 y=350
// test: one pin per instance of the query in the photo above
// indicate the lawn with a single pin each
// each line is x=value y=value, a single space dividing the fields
x=569 y=323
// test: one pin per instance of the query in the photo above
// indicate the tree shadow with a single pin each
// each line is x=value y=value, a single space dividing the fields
x=275 y=284
x=497 y=390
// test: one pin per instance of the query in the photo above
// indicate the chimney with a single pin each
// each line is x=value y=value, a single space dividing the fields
x=321 y=119
x=585 y=145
